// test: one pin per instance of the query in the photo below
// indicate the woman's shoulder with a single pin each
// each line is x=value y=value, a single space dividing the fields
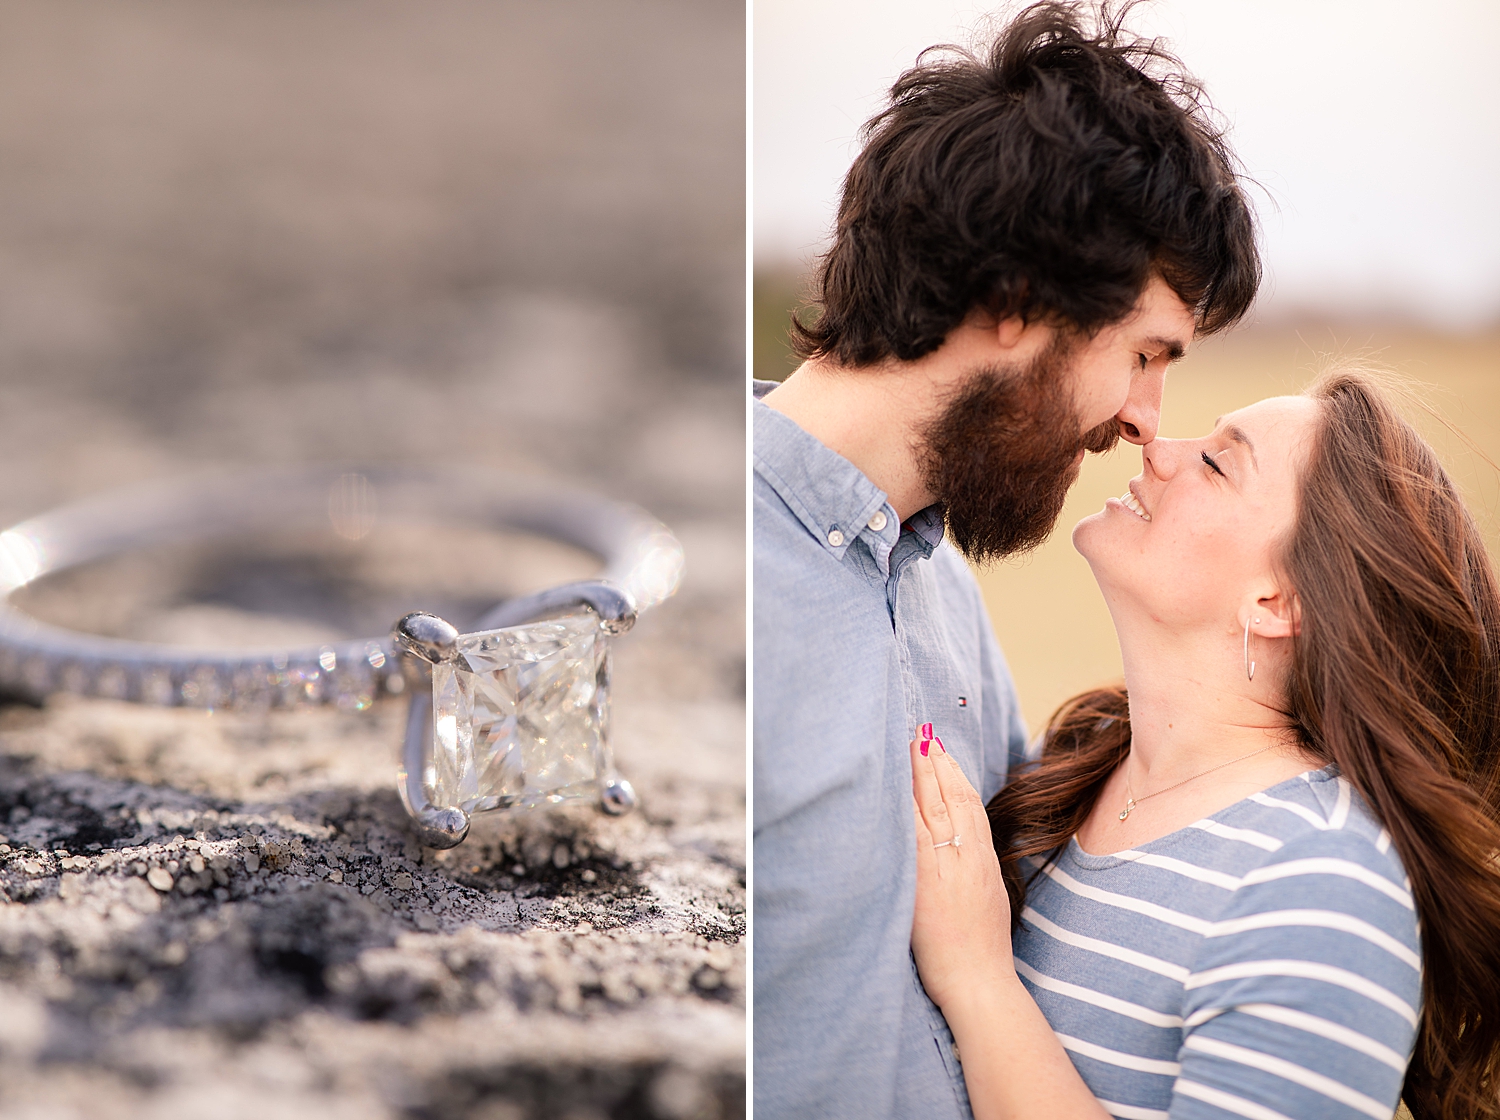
x=1321 y=849
x=1311 y=971
x=1317 y=812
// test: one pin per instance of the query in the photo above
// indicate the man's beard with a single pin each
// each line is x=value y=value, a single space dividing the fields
x=1004 y=452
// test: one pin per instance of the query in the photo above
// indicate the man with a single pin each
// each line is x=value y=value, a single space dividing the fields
x=1023 y=245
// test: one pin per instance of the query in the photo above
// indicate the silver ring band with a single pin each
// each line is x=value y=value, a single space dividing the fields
x=641 y=557
x=956 y=842
x=642 y=566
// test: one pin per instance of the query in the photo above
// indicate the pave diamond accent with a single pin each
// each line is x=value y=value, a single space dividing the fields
x=520 y=717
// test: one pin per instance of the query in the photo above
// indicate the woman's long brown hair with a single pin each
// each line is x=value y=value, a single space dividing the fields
x=1394 y=677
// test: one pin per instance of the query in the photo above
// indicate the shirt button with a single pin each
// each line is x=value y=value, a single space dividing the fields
x=877 y=522
x=835 y=538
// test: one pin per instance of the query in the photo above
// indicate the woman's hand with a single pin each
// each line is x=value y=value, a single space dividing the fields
x=960 y=933
x=1014 y=1065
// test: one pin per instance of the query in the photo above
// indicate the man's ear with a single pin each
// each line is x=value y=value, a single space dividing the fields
x=1016 y=339
x=1011 y=332
x=1276 y=614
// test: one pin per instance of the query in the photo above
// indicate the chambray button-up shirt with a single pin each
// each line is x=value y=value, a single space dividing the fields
x=864 y=630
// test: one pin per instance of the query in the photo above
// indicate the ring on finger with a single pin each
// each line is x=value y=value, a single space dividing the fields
x=957 y=842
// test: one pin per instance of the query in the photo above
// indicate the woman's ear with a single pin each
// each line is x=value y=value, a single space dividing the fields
x=1277 y=615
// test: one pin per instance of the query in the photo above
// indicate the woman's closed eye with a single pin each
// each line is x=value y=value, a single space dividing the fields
x=1213 y=466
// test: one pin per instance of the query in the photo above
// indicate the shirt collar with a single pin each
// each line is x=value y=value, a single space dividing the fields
x=830 y=495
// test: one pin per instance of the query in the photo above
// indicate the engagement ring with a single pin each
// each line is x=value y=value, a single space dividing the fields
x=957 y=842
x=521 y=704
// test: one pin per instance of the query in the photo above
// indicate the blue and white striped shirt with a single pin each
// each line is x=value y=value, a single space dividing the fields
x=1261 y=964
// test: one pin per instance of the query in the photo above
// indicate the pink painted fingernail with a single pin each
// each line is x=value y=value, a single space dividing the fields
x=923 y=746
x=926 y=732
x=939 y=742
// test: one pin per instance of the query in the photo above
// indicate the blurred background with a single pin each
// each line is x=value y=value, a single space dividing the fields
x=501 y=233
x=506 y=234
x=1370 y=131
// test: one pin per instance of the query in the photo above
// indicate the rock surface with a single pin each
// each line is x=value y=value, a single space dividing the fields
x=505 y=235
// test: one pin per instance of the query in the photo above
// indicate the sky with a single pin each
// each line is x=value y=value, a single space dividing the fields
x=1373 y=129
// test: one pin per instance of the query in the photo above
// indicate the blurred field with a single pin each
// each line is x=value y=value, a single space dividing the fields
x=1046 y=608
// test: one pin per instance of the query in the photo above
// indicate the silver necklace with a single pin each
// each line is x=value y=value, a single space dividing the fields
x=1132 y=801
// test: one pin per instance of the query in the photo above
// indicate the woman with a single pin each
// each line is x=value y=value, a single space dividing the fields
x=1260 y=880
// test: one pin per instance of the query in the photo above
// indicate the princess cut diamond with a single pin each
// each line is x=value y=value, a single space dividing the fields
x=520 y=716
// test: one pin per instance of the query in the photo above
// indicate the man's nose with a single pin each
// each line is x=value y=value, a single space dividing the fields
x=1140 y=417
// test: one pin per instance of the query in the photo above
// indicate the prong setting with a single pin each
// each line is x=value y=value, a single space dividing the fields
x=441 y=828
x=617 y=797
x=427 y=636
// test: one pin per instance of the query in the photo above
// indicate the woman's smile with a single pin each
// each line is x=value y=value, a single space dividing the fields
x=1131 y=502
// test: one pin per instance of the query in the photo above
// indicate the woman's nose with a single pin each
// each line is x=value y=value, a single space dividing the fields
x=1162 y=457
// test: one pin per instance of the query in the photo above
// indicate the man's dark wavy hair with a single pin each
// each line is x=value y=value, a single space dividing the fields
x=1050 y=180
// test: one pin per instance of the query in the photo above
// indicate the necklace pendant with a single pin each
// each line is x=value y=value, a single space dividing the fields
x=1129 y=805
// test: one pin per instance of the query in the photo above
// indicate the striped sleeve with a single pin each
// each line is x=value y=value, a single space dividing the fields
x=1302 y=1001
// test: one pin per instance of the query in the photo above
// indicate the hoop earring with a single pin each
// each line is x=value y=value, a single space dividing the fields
x=1249 y=665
